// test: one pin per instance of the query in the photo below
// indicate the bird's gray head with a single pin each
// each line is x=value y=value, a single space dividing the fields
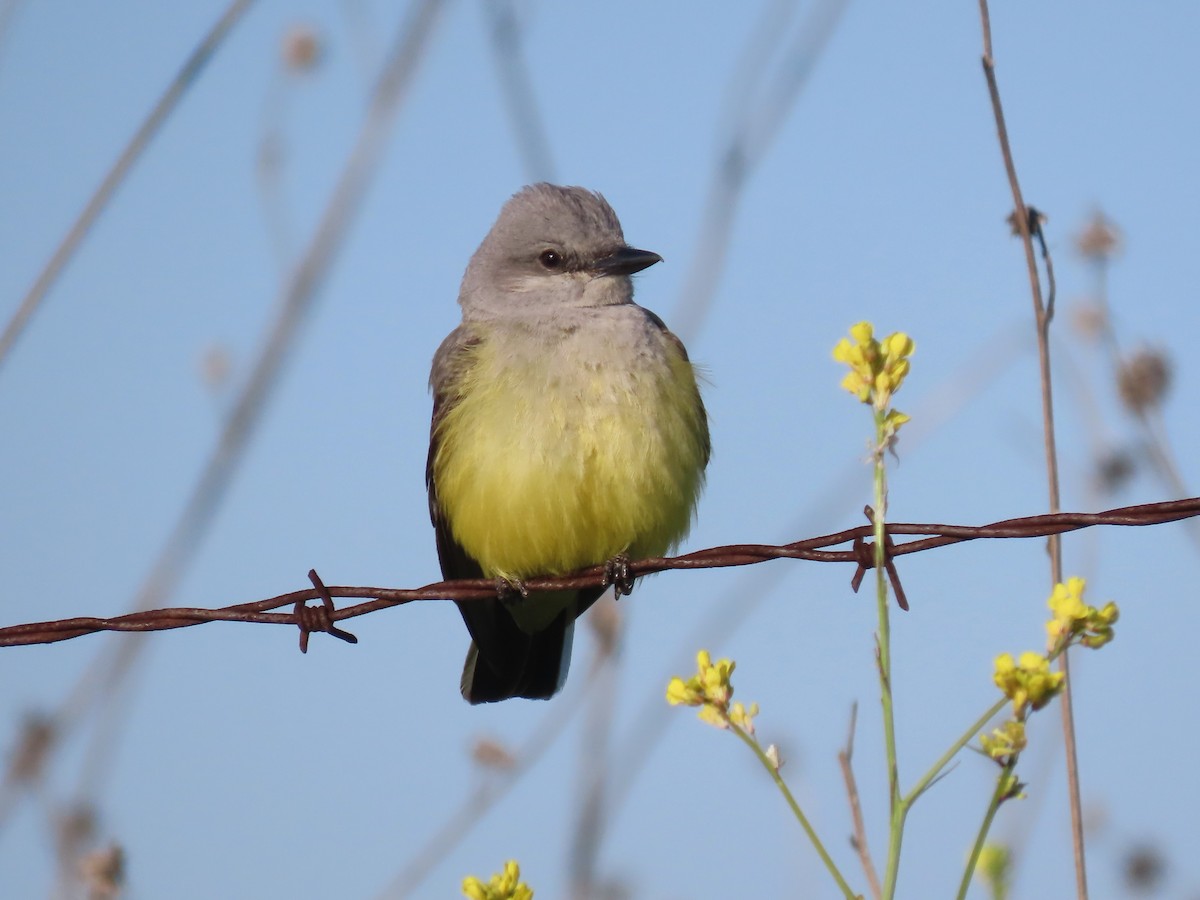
x=552 y=247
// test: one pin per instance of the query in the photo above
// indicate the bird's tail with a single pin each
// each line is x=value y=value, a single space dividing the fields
x=512 y=663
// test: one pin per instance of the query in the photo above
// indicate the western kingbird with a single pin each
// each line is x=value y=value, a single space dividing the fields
x=567 y=431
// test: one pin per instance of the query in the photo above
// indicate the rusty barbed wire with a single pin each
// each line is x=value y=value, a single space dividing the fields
x=929 y=536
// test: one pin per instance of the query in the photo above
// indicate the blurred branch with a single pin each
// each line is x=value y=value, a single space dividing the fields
x=184 y=79
x=362 y=28
x=815 y=549
x=1142 y=378
x=529 y=130
x=301 y=51
x=492 y=790
x=8 y=10
x=1027 y=221
x=595 y=764
x=750 y=136
x=296 y=302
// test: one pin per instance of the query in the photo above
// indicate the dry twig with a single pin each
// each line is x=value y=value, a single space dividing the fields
x=859 y=840
x=1026 y=219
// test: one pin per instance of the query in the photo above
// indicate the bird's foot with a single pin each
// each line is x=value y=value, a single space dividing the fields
x=510 y=591
x=616 y=573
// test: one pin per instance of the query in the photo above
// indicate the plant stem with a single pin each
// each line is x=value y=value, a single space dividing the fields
x=944 y=760
x=1002 y=788
x=796 y=811
x=897 y=807
x=1042 y=315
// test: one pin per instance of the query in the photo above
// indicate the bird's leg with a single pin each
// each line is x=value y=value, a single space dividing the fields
x=616 y=573
x=510 y=591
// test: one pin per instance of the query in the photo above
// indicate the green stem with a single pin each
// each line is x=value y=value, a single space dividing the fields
x=944 y=760
x=897 y=806
x=796 y=811
x=1003 y=786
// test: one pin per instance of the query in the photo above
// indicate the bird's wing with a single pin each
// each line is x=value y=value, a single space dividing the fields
x=677 y=345
x=504 y=661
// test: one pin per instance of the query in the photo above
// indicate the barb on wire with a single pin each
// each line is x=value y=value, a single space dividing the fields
x=319 y=618
x=928 y=536
x=864 y=555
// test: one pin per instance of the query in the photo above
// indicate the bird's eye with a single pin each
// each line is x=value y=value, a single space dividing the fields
x=551 y=259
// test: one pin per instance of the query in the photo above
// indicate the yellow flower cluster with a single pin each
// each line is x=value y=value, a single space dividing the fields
x=994 y=867
x=504 y=885
x=1027 y=682
x=1005 y=742
x=877 y=368
x=711 y=690
x=1074 y=621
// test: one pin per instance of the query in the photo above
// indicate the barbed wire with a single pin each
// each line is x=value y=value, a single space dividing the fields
x=816 y=549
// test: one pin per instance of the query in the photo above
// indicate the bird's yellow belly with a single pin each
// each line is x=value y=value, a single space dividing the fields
x=546 y=468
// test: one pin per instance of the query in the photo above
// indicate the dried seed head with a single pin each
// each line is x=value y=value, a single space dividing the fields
x=103 y=872
x=75 y=829
x=1144 y=869
x=1113 y=469
x=37 y=734
x=1099 y=240
x=491 y=754
x=1143 y=380
x=216 y=365
x=301 y=48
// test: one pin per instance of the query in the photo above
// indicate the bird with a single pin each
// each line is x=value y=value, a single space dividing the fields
x=568 y=431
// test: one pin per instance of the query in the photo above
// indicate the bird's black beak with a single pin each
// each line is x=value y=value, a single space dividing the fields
x=626 y=261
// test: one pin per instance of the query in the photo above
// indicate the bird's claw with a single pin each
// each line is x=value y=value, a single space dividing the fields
x=510 y=590
x=616 y=574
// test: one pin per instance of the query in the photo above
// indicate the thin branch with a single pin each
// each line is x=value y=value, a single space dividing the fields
x=1042 y=316
x=859 y=841
x=490 y=792
x=749 y=138
x=8 y=10
x=295 y=303
x=814 y=549
x=184 y=79
x=595 y=764
x=529 y=130
x=1147 y=415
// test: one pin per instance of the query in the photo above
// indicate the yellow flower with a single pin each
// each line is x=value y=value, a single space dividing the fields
x=1073 y=621
x=711 y=690
x=1011 y=788
x=714 y=716
x=743 y=718
x=1028 y=682
x=994 y=868
x=504 y=885
x=877 y=368
x=1004 y=742
x=681 y=693
x=1099 y=628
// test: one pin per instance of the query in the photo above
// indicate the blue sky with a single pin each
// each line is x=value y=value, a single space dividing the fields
x=244 y=769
